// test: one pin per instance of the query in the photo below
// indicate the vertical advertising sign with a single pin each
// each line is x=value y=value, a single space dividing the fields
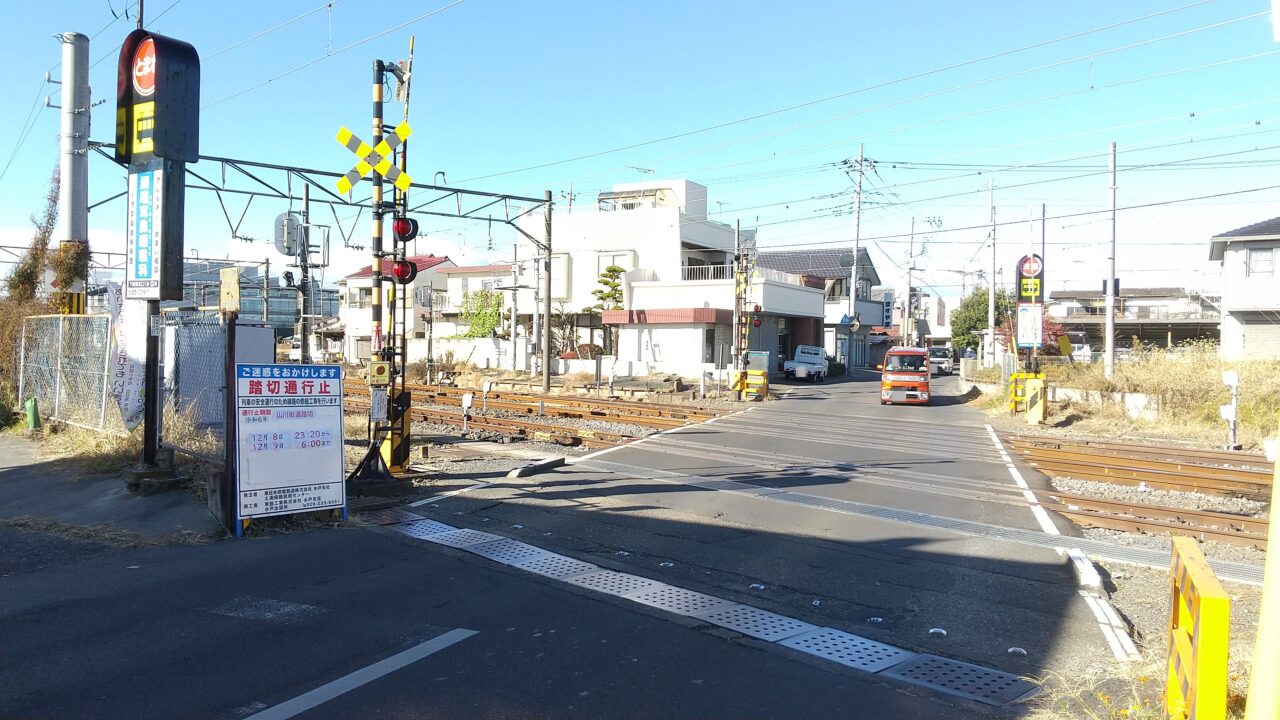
x=143 y=235
x=1030 y=325
x=288 y=439
x=1030 y=320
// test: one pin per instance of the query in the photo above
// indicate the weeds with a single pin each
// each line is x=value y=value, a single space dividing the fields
x=109 y=535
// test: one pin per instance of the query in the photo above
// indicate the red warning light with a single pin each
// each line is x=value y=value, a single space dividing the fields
x=404 y=271
x=404 y=228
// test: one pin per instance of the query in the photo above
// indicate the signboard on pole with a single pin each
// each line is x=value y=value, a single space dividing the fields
x=1030 y=275
x=143 y=235
x=288 y=440
x=1030 y=325
x=128 y=354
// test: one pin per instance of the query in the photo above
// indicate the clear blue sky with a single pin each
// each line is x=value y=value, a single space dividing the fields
x=502 y=85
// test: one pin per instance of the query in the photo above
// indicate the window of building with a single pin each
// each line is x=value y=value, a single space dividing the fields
x=625 y=260
x=709 y=345
x=1260 y=262
x=359 y=297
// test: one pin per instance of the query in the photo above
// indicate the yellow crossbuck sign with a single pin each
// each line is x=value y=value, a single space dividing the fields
x=377 y=158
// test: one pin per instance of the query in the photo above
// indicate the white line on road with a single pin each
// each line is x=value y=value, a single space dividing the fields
x=1113 y=630
x=347 y=683
x=449 y=494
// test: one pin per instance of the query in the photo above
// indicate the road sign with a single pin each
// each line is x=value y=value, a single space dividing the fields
x=377 y=158
x=144 y=68
x=288 y=439
x=1030 y=325
x=1030 y=275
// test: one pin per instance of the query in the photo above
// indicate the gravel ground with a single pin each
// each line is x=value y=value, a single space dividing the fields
x=1212 y=549
x=425 y=432
x=575 y=423
x=1166 y=498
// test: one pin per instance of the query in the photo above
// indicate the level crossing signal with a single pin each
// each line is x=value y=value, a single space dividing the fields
x=404 y=271
x=405 y=229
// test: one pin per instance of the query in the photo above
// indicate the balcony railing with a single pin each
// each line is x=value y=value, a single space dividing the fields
x=725 y=272
x=1143 y=313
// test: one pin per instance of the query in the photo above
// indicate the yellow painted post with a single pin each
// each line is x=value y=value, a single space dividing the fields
x=1196 y=685
x=1264 y=691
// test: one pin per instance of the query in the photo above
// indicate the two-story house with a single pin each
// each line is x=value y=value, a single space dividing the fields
x=1162 y=316
x=1250 y=259
x=847 y=317
x=450 y=329
x=678 y=286
x=355 y=298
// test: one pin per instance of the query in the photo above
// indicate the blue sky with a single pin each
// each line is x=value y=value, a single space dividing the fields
x=944 y=96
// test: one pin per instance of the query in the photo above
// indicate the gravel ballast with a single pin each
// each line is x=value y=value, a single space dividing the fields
x=1165 y=498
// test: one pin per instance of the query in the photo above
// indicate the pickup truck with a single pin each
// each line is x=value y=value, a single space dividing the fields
x=810 y=361
x=940 y=360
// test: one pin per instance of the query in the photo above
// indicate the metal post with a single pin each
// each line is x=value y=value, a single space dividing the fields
x=990 y=356
x=151 y=389
x=266 y=291
x=304 y=266
x=737 y=295
x=546 y=297
x=73 y=200
x=57 y=376
x=1109 y=341
x=908 y=311
x=376 y=346
x=106 y=377
x=22 y=363
x=515 y=315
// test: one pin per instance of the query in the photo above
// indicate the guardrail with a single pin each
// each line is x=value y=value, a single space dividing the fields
x=1198 y=625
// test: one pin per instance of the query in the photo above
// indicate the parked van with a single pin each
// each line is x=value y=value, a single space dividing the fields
x=906 y=377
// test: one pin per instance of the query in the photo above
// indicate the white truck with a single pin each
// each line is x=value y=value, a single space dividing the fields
x=810 y=362
x=940 y=360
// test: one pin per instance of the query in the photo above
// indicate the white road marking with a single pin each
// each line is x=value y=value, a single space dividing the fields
x=1113 y=630
x=645 y=439
x=449 y=494
x=347 y=683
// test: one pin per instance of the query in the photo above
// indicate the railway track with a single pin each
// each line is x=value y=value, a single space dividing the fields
x=1207 y=472
x=656 y=415
x=525 y=429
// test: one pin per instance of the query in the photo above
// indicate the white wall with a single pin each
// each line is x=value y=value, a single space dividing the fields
x=662 y=348
x=1247 y=293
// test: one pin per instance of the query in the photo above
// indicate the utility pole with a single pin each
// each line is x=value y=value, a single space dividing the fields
x=304 y=266
x=990 y=358
x=546 y=297
x=73 y=199
x=908 y=311
x=857 y=247
x=1109 y=341
x=515 y=305
x=736 y=357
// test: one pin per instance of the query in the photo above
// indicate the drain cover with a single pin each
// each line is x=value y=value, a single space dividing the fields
x=461 y=538
x=611 y=583
x=507 y=551
x=677 y=600
x=390 y=516
x=756 y=622
x=847 y=649
x=423 y=529
x=555 y=566
x=958 y=678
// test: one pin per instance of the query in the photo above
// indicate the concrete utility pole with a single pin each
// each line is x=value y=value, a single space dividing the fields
x=990 y=356
x=73 y=199
x=546 y=297
x=857 y=238
x=304 y=267
x=1109 y=341
x=736 y=356
x=908 y=309
x=515 y=305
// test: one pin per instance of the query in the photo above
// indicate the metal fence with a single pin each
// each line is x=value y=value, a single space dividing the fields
x=193 y=349
x=64 y=362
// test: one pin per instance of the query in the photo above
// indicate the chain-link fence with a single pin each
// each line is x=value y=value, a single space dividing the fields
x=193 y=351
x=64 y=362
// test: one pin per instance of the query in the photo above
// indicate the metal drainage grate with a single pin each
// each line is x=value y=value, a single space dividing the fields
x=611 y=583
x=556 y=566
x=423 y=529
x=507 y=551
x=756 y=622
x=677 y=600
x=461 y=538
x=958 y=678
x=390 y=516
x=846 y=649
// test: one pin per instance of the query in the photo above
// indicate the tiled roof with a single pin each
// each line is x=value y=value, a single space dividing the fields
x=424 y=262
x=1266 y=228
x=825 y=263
x=495 y=269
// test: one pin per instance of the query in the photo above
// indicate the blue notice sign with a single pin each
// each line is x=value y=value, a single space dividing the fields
x=142 y=261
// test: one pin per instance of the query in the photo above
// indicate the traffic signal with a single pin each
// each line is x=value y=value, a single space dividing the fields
x=405 y=229
x=288 y=279
x=755 y=322
x=404 y=271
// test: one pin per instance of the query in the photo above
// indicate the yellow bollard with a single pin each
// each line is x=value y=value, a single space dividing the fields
x=1035 y=392
x=1196 y=684
x=1264 y=693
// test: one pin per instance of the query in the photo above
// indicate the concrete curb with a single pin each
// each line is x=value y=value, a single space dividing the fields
x=535 y=468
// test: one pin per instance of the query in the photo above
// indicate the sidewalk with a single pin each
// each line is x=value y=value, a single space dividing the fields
x=36 y=487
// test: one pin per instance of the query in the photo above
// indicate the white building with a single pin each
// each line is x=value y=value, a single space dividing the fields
x=355 y=298
x=1250 y=290
x=678 y=289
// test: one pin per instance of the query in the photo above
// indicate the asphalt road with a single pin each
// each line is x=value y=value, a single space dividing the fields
x=363 y=621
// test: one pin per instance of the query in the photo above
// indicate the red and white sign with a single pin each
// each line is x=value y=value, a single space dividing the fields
x=1031 y=266
x=144 y=68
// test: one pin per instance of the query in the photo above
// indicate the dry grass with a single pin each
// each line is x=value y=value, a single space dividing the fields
x=109 y=535
x=1134 y=692
x=89 y=451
